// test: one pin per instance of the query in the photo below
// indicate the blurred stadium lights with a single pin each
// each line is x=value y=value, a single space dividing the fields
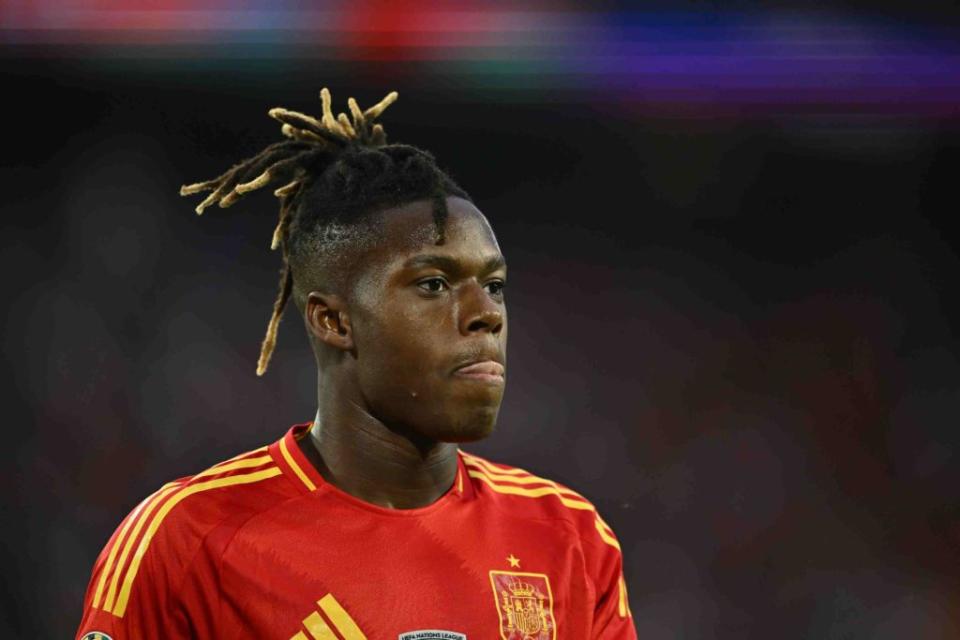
x=703 y=63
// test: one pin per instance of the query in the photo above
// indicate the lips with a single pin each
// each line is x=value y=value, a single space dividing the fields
x=486 y=370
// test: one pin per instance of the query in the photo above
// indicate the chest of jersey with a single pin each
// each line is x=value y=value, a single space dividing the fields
x=459 y=572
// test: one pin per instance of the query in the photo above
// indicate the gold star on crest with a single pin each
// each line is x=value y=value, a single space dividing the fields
x=514 y=561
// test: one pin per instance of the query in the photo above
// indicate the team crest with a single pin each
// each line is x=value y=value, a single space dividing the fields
x=524 y=604
x=96 y=635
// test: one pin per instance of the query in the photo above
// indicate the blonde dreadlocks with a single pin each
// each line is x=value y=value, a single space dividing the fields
x=332 y=171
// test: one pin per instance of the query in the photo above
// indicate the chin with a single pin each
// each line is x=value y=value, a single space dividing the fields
x=477 y=426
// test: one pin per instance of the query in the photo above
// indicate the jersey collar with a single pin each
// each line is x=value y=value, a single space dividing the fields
x=286 y=452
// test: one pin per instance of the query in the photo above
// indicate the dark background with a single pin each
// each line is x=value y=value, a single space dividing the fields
x=733 y=304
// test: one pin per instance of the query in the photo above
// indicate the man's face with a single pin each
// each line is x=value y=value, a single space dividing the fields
x=430 y=325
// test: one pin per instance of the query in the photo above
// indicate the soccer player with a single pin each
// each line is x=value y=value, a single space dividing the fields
x=370 y=521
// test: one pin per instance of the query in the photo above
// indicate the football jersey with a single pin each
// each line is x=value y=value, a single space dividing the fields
x=260 y=546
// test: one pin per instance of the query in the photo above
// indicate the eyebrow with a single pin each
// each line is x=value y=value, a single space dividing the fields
x=452 y=265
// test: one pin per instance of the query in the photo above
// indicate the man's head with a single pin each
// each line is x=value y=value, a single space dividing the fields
x=397 y=275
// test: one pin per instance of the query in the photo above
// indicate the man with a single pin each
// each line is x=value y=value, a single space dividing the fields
x=369 y=522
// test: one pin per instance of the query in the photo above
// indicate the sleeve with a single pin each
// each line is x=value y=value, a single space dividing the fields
x=612 y=619
x=133 y=586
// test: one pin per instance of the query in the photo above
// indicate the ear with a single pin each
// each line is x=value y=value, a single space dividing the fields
x=328 y=320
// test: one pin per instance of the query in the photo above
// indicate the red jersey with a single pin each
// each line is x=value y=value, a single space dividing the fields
x=260 y=546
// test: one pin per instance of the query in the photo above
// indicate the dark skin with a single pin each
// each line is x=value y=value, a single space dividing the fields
x=410 y=357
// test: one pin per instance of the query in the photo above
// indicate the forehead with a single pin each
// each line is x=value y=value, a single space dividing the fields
x=410 y=230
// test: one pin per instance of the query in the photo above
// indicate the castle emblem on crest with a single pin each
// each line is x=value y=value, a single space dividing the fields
x=524 y=604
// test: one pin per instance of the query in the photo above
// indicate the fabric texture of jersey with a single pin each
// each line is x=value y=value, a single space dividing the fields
x=260 y=546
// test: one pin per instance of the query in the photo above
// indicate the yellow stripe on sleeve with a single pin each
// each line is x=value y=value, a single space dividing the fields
x=226 y=467
x=517 y=475
x=527 y=479
x=296 y=468
x=167 y=489
x=299 y=635
x=539 y=492
x=108 y=565
x=223 y=467
x=606 y=537
x=605 y=525
x=622 y=607
x=128 y=546
x=340 y=618
x=185 y=492
x=580 y=503
x=486 y=465
x=318 y=628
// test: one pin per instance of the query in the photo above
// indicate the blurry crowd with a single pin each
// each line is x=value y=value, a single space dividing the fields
x=739 y=344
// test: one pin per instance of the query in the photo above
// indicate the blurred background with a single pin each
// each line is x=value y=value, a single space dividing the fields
x=733 y=284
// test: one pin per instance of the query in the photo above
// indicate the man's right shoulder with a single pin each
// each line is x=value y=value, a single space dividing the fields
x=170 y=525
x=237 y=488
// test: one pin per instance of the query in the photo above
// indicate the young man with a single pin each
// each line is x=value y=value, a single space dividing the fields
x=369 y=522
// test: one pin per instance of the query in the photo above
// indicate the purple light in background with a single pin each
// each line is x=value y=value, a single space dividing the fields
x=717 y=62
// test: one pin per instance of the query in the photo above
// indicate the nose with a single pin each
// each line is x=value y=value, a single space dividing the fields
x=479 y=312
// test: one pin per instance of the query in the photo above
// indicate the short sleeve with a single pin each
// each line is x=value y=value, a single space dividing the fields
x=612 y=619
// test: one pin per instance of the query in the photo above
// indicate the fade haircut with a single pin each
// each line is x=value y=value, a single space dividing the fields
x=333 y=174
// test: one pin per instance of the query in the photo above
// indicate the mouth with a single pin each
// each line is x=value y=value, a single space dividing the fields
x=487 y=371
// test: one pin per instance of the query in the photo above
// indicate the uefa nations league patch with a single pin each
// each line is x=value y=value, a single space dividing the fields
x=432 y=634
x=96 y=635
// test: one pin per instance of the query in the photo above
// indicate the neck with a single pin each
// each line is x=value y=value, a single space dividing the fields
x=359 y=454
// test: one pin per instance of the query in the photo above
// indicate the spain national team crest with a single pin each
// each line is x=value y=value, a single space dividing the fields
x=524 y=604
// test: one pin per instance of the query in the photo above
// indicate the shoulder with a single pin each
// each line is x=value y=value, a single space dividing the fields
x=234 y=489
x=517 y=489
x=158 y=540
x=534 y=496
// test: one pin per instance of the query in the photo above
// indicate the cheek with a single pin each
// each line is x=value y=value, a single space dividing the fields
x=403 y=353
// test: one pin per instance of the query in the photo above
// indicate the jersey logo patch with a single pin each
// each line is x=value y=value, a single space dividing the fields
x=96 y=635
x=524 y=604
x=329 y=615
x=431 y=634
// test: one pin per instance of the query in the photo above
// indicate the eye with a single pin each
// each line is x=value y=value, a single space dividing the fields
x=433 y=285
x=495 y=287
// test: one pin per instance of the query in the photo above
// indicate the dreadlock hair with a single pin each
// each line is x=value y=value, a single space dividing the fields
x=332 y=174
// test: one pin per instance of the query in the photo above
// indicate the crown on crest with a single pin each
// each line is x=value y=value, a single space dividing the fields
x=522 y=589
